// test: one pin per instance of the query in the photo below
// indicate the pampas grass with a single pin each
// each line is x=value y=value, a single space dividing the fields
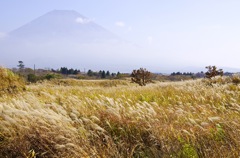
x=71 y=118
x=10 y=83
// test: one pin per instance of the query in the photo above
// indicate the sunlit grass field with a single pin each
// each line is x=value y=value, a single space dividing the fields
x=115 y=118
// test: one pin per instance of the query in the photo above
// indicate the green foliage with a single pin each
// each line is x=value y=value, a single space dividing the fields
x=107 y=74
x=32 y=78
x=218 y=133
x=90 y=73
x=66 y=71
x=10 y=82
x=187 y=150
x=119 y=75
x=20 y=65
x=51 y=76
x=141 y=76
x=180 y=73
x=103 y=75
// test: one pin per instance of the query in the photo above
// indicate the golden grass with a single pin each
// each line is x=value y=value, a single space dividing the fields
x=9 y=82
x=71 y=118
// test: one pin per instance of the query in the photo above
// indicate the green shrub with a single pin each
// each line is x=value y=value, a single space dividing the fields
x=50 y=76
x=10 y=82
x=32 y=78
x=188 y=151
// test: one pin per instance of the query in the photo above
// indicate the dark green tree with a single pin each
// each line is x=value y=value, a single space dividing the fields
x=75 y=72
x=103 y=75
x=113 y=74
x=99 y=74
x=107 y=74
x=64 y=70
x=70 y=71
x=90 y=73
x=173 y=74
x=20 y=65
x=118 y=74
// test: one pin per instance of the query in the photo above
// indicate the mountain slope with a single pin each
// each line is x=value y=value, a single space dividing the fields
x=63 y=24
x=66 y=38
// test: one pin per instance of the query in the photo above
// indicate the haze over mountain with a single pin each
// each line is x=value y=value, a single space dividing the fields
x=66 y=38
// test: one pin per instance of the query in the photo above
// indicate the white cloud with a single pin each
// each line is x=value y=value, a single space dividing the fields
x=120 y=24
x=81 y=20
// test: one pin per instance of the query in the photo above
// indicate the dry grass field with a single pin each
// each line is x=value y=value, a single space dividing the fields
x=115 y=118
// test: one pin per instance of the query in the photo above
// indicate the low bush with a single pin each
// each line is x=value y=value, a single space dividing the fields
x=235 y=79
x=34 y=78
x=52 y=76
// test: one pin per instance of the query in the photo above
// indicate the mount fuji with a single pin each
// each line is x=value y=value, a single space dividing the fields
x=66 y=38
x=62 y=24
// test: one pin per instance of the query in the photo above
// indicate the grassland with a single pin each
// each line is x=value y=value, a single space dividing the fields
x=115 y=118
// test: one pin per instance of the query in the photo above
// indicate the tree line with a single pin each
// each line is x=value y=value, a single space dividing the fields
x=140 y=76
x=180 y=73
x=103 y=74
x=97 y=74
x=66 y=71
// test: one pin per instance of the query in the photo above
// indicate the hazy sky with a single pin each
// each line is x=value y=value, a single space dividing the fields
x=189 y=32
